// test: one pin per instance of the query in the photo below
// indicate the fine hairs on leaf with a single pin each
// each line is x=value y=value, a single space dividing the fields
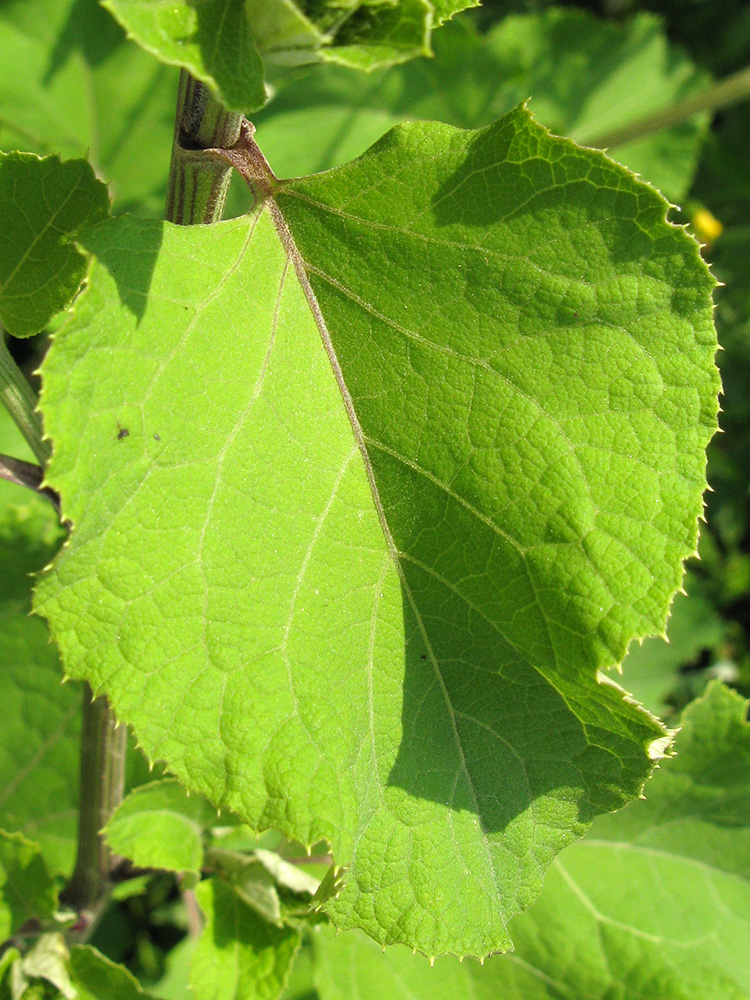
x=363 y=495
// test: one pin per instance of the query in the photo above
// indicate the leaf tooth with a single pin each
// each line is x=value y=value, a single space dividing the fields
x=660 y=748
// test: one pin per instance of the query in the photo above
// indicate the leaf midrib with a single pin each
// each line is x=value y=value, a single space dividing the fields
x=290 y=247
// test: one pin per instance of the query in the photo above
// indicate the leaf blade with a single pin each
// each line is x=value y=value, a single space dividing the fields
x=159 y=826
x=382 y=708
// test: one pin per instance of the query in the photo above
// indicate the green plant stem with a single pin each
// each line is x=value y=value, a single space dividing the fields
x=732 y=90
x=197 y=183
x=103 y=747
x=20 y=401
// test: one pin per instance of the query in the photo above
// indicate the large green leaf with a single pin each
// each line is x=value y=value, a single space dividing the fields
x=655 y=902
x=358 y=520
x=44 y=204
x=71 y=85
x=584 y=76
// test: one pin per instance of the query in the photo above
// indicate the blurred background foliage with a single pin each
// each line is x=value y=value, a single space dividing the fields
x=586 y=67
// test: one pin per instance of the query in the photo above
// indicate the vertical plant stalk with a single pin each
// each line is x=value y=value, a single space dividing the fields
x=20 y=401
x=198 y=184
x=102 y=742
x=103 y=748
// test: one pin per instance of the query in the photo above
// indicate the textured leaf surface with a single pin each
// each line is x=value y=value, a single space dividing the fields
x=26 y=889
x=160 y=826
x=238 y=956
x=212 y=40
x=44 y=204
x=654 y=902
x=583 y=75
x=72 y=85
x=39 y=739
x=513 y=349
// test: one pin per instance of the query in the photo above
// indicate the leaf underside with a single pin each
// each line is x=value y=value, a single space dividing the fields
x=362 y=505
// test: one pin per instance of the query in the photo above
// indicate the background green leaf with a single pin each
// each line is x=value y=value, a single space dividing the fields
x=42 y=970
x=380 y=34
x=239 y=956
x=618 y=915
x=39 y=741
x=26 y=890
x=221 y=42
x=160 y=826
x=73 y=86
x=95 y=977
x=650 y=671
x=44 y=204
x=213 y=40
